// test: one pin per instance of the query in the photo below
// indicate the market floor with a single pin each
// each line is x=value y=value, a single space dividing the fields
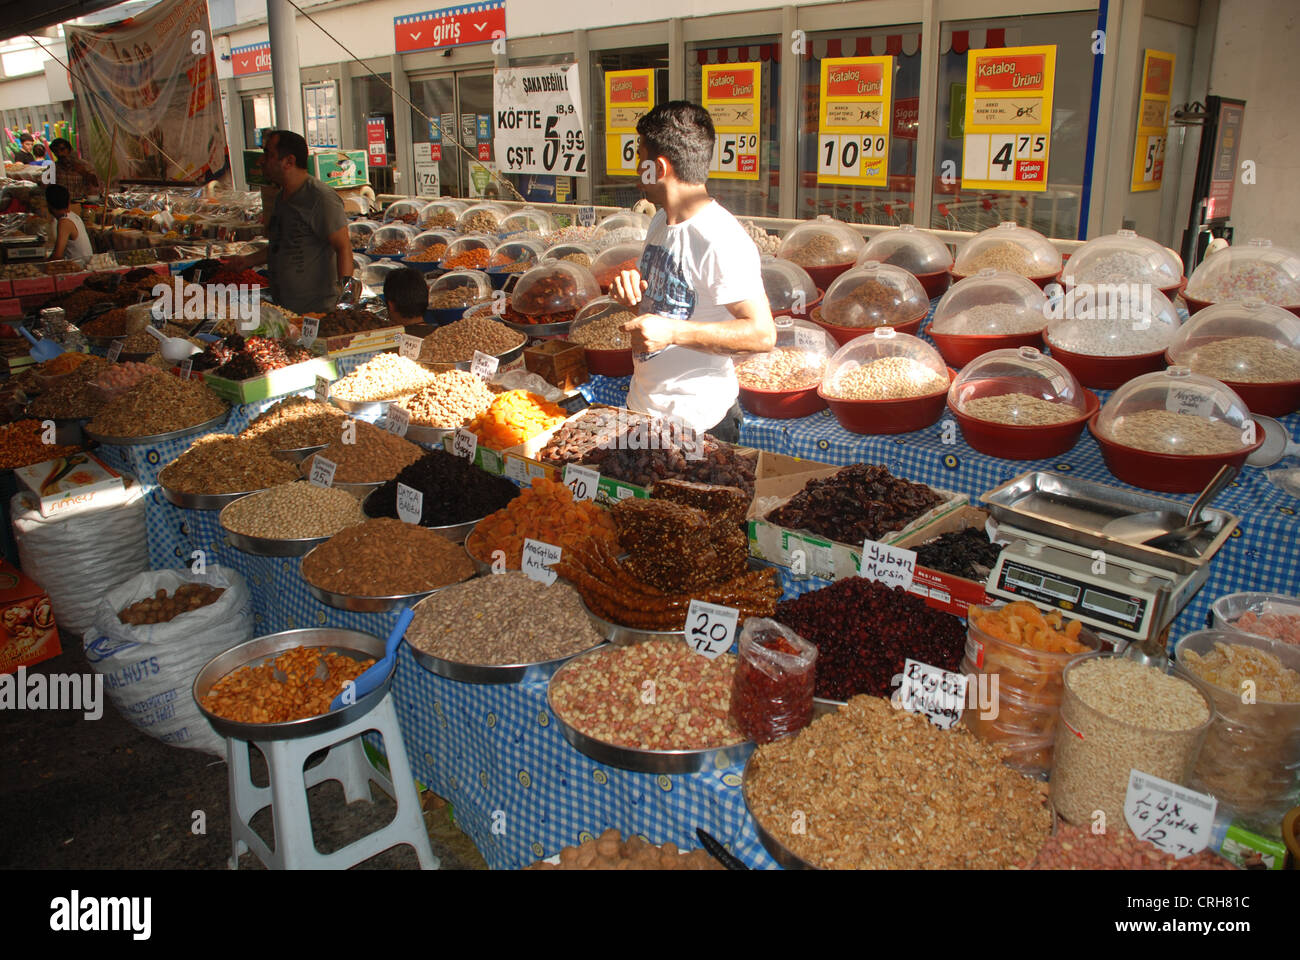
x=80 y=794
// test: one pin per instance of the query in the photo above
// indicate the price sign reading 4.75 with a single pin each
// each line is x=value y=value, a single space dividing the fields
x=732 y=95
x=710 y=628
x=583 y=481
x=1008 y=131
x=855 y=120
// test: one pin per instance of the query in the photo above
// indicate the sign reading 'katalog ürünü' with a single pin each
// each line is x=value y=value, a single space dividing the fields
x=455 y=26
x=538 y=120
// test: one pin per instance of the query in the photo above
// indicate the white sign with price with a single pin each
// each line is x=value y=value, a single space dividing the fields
x=187 y=367
x=410 y=504
x=710 y=628
x=892 y=566
x=409 y=346
x=310 y=330
x=464 y=444
x=538 y=558
x=427 y=183
x=937 y=693
x=115 y=351
x=586 y=216
x=583 y=481
x=810 y=340
x=484 y=365
x=322 y=471
x=397 y=420
x=322 y=389
x=539 y=121
x=1177 y=820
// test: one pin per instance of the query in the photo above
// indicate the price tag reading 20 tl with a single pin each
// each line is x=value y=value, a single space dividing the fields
x=731 y=95
x=710 y=628
x=854 y=124
x=1008 y=118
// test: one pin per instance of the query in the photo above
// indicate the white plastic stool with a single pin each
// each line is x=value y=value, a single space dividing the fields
x=346 y=762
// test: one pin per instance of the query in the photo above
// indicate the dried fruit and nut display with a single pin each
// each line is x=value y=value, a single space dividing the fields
x=1247 y=360
x=382 y=378
x=221 y=463
x=344 y=320
x=456 y=342
x=373 y=456
x=547 y=512
x=605 y=332
x=298 y=422
x=383 y=557
x=856 y=503
x=1278 y=626
x=293 y=511
x=253 y=694
x=513 y=417
x=452 y=399
x=237 y=358
x=453 y=491
x=22 y=443
x=1079 y=847
x=163 y=608
x=964 y=553
x=610 y=851
x=873 y=295
x=1019 y=410
x=887 y=378
x=786 y=368
x=158 y=405
x=73 y=395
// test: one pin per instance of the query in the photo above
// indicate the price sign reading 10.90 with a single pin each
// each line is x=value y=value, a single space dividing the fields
x=732 y=97
x=854 y=122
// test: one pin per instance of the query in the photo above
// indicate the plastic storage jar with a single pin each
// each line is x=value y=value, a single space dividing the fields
x=482 y=218
x=1172 y=431
x=360 y=232
x=869 y=296
x=1012 y=248
x=1251 y=757
x=1252 y=346
x=451 y=294
x=625 y=226
x=405 y=211
x=1253 y=271
x=441 y=214
x=596 y=328
x=885 y=382
x=1020 y=405
x=1125 y=258
x=1272 y=615
x=1116 y=716
x=790 y=290
x=783 y=382
x=613 y=260
x=391 y=240
x=993 y=310
x=823 y=246
x=1108 y=336
x=920 y=253
x=528 y=220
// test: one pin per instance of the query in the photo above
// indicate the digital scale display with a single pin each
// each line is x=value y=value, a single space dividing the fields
x=1060 y=589
x=1076 y=596
x=1103 y=602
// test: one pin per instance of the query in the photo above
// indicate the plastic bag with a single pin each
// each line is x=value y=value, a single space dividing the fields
x=149 y=670
x=80 y=556
x=772 y=692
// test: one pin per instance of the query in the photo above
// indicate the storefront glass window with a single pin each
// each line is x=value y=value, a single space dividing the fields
x=434 y=97
x=619 y=190
x=372 y=98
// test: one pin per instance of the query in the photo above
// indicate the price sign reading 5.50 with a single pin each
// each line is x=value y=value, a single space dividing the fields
x=710 y=628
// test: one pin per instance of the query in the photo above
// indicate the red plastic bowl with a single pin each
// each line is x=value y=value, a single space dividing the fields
x=1043 y=282
x=1194 y=305
x=825 y=276
x=1011 y=442
x=1107 y=373
x=888 y=416
x=961 y=349
x=609 y=363
x=808 y=308
x=843 y=335
x=781 y=404
x=1268 y=399
x=1167 y=473
x=935 y=284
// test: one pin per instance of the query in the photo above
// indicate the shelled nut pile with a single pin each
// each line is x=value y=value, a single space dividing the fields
x=1020 y=410
x=605 y=333
x=786 y=368
x=297 y=422
x=158 y=405
x=381 y=378
x=293 y=511
x=377 y=455
x=888 y=378
x=222 y=463
x=1164 y=431
x=456 y=342
x=453 y=399
x=383 y=557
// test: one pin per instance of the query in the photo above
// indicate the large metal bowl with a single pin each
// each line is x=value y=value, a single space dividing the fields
x=645 y=761
x=352 y=643
x=268 y=546
x=359 y=604
x=504 y=360
x=207 y=426
x=423 y=433
x=202 y=501
x=297 y=454
x=494 y=673
x=366 y=408
x=455 y=532
x=782 y=854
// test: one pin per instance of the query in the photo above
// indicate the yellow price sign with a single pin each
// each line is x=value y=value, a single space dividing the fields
x=1153 y=120
x=732 y=97
x=854 y=121
x=629 y=95
x=1008 y=128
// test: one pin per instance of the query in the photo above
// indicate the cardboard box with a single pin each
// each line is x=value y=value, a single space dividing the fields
x=368 y=341
x=28 y=633
x=274 y=383
x=558 y=362
x=944 y=591
x=72 y=484
x=6 y=288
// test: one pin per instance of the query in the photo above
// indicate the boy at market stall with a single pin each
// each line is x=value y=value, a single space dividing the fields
x=71 y=241
x=25 y=153
x=406 y=296
x=698 y=286
x=75 y=174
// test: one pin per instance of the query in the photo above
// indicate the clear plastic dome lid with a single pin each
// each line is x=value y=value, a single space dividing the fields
x=407 y=211
x=577 y=252
x=1123 y=257
x=375 y=273
x=821 y=242
x=600 y=321
x=1112 y=321
x=468 y=244
x=360 y=261
x=360 y=232
x=431 y=240
x=515 y=256
x=1241 y=342
x=462 y=288
x=613 y=260
x=441 y=213
x=874 y=295
x=885 y=365
x=482 y=218
x=916 y=251
x=1010 y=247
x=626 y=226
x=555 y=286
x=1176 y=412
x=1018 y=387
x=391 y=240
x=790 y=290
x=993 y=303
x=1256 y=271
x=528 y=220
x=797 y=362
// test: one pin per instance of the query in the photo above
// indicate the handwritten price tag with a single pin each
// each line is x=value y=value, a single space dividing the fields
x=322 y=471
x=396 y=420
x=583 y=481
x=892 y=566
x=410 y=504
x=484 y=365
x=586 y=216
x=464 y=444
x=710 y=628
x=409 y=346
x=811 y=340
x=114 y=351
x=322 y=389
x=538 y=558
x=1173 y=818
x=187 y=367
x=937 y=693
x=310 y=330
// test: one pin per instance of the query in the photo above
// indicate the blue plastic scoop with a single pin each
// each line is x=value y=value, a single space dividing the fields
x=374 y=675
x=41 y=350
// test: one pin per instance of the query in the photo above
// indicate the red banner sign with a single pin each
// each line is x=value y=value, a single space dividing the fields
x=732 y=85
x=1009 y=74
x=1160 y=76
x=907 y=117
x=861 y=81
x=630 y=90
x=450 y=27
x=377 y=141
x=254 y=58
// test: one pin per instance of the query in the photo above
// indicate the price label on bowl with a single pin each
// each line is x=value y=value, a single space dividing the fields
x=410 y=504
x=710 y=628
x=937 y=693
x=409 y=346
x=892 y=566
x=114 y=351
x=1176 y=819
x=322 y=389
x=187 y=367
x=517 y=470
x=583 y=481
x=310 y=330
x=322 y=471
x=537 y=560
x=484 y=365
x=397 y=420
x=811 y=340
x=586 y=216
x=464 y=444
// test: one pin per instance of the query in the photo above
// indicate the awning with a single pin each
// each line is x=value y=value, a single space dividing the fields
x=903 y=43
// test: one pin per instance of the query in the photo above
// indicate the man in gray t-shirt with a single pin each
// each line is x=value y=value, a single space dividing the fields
x=309 y=254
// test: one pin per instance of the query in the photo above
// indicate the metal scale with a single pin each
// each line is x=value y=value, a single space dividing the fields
x=1057 y=557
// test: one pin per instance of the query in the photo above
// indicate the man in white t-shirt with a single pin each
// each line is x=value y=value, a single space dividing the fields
x=698 y=286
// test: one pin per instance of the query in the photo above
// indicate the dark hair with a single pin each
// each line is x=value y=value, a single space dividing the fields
x=289 y=144
x=59 y=142
x=682 y=133
x=38 y=149
x=57 y=197
x=406 y=293
x=24 y=137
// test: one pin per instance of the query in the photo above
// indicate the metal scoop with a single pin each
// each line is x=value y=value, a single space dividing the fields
x=173 y=349
x=1165 y=529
